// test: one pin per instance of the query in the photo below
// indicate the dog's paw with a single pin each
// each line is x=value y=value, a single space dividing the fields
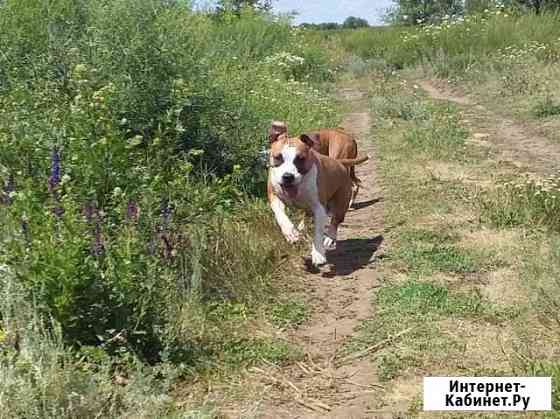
x=292 y=235
x=317 y=259
x=329 y=243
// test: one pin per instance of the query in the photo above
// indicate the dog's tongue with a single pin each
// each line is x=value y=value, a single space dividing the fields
x=291 y=191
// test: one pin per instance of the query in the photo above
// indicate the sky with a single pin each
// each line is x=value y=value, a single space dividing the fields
x=317 y=11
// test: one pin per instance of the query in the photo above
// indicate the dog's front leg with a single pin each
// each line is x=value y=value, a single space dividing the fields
x=288 y=229
x=320 y=219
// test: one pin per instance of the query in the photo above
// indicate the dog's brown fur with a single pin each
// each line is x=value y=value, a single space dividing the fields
x=333 y=142
x=338 y=144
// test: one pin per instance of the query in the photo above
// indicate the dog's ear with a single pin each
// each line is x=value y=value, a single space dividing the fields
x=307 y=139
x=276 y=130
x=310 y=139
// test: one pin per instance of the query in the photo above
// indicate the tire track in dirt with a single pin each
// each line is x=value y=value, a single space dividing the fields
x=340 y=299
x=510 y=141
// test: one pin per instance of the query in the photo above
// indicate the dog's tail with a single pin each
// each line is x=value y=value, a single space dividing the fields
x=353 y=162
x=355 y=180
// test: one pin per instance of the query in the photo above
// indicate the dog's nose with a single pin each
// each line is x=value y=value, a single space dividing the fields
x=288 y=178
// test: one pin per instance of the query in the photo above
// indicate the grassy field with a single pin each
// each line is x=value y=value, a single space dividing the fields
x=140 y=267
x=472 y=269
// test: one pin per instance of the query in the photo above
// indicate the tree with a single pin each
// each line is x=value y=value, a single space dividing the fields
x=539 y=6
x=415 y=12
x=353 y=22
x=237 y=5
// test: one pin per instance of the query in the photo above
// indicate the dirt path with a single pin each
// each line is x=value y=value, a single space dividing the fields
x=510 y=141
x=340 y=299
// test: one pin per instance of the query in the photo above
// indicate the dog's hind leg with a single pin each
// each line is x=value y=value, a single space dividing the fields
x=355 y=186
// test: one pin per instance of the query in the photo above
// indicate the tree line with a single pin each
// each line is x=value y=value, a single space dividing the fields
x=407 y=12
x=417 y=12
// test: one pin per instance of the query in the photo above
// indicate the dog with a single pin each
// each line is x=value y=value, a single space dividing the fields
x=333 y=142
x=300 y=176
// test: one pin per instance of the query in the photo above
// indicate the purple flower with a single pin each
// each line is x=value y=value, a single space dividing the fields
x=132 y=211
x=58 y=210
x=98 y=246
x=165 y=213
x=9 y=187
x=54 y=178
x=88 y=211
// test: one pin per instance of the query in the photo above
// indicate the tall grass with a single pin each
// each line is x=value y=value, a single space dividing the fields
x=130 y=183
x=456 y=45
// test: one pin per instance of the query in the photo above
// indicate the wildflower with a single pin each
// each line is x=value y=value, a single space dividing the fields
x=165 y=211
x=98 y=245
x=8 y=191
x=58 y=211
x=132 y=211
x=88 y=211
x=25 y=229
x=54 y=178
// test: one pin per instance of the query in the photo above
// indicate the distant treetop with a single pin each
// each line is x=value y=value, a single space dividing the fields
x=351 y=22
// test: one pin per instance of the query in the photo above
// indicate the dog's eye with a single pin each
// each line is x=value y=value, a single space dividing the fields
x=299 y=159
x=277 y=160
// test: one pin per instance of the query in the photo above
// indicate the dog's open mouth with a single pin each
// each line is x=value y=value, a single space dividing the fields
x=290 y=190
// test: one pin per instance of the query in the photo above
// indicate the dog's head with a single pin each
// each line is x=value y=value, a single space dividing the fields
x=290 y=160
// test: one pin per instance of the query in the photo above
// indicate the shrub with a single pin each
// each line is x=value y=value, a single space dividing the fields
x=129 y=160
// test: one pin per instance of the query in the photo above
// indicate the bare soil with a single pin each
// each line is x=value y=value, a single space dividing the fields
x=511 y=141
x=321 y=386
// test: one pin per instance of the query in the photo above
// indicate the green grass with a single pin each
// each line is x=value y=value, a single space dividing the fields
x=452 y=49
x=419 y=306
x=424 y=252
x=439 y=136
x=429 y=258
x=523 y=202
x=288 y=314
x=424 y=299
x=413 y=135
x=546 y=107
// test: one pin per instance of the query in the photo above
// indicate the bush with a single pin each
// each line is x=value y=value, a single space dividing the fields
x=129 y=160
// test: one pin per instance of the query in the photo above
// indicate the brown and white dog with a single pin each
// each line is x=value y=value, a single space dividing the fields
x=333 y=142
x=302 y=177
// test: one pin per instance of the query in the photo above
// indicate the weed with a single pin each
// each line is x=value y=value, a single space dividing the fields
x=288 y=314
x=546 y=107
x=423 y=299
x=441 y=136
x=426 y=251
x=523 y=202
